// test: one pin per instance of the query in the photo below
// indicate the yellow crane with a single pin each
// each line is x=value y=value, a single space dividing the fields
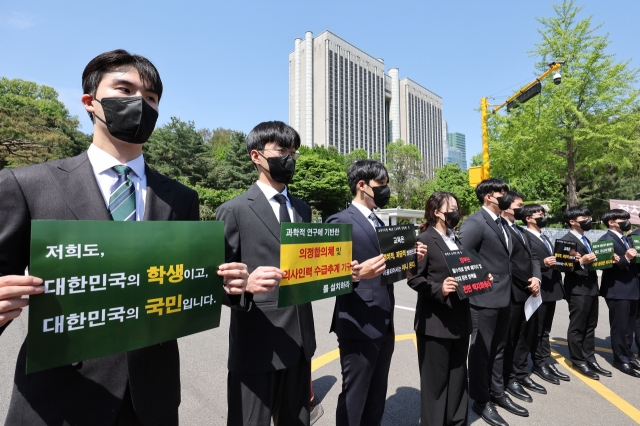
x=479 y=173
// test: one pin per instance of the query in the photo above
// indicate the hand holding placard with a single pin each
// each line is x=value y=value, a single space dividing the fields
x=12 y=288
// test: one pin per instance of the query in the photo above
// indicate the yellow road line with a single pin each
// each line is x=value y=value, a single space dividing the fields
x=604 y=391
x=325 y=359
x=598 y=348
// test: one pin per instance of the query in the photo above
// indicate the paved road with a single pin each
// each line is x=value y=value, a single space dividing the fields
x=614 y=401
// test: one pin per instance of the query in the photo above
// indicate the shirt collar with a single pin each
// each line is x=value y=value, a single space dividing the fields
x=270 y=191
x=363 y=209
x=101 y=161
x=619 y=235
x=448 y=236
x=534 y=232
x=577 y=235
x=493 y=215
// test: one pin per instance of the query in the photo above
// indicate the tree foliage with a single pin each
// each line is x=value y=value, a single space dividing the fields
x=403 y=164
x=553 y=145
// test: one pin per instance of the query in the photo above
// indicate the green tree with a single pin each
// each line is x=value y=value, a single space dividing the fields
x=236 y=170
x=320 y=180
x=35 y=126
x=403 y=164
x=451 y=178
x=211 y=199
x=476 y=160
x=178 y=151
x=589 y=122
x=355 y=155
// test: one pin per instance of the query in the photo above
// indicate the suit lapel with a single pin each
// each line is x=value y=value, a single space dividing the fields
x=79 y=188
x=295 y=207
x=261 y=207
x=437 y=238
x=359 y=218
x=160 y=194
x=577 y=240
x=496 y=229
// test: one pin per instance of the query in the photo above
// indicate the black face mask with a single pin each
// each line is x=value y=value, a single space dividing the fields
x=586 y=224
x=517 y=214
x=381 y=195
x=541 y=222
x=503 y=203
x=625 y=226
x=452 y=219
x=130 y=119
x=281 y=169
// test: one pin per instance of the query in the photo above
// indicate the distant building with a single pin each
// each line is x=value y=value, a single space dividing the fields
x=456 y=150
x=341 y=96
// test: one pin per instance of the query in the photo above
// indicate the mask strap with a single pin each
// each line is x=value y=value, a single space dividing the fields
x=95 y=115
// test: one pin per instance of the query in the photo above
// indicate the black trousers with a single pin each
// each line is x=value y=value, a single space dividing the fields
x=581 y=335
x=637 y=331
x=443 y=380
x=541 y=350
x=253 y=399
x=522 y=336
x=365 y=374
x=127 y=415
x=622 y=321
x=486 y=353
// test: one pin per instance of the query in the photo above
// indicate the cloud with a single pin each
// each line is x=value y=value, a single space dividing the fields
x=19 y=21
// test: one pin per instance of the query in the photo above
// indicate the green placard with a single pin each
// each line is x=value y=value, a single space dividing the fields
x=316 y=259
x=604 y=254
x=112 y=287
x=636 y=245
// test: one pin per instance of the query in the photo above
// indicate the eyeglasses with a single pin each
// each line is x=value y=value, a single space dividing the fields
x=284 y=152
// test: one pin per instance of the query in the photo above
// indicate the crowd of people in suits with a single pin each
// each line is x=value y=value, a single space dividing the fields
x=475 y=347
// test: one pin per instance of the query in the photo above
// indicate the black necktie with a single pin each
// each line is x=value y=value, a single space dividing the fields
x=284 y=211
x=504 y=234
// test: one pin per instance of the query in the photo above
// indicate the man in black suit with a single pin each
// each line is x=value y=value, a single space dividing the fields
x=636 y=333
x=132 y=388
x=619 y=287
x=581 y=287
x=525 y=281
x=486 y=233
x=270 y=348
x=363 y=319
x=551 y=290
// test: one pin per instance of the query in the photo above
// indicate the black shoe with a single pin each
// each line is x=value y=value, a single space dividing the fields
x=634 y=364
x=505 y=402
x=584 y=369
x=554 y=370
x=595 y=367
x=626 y=369
x=488 y=413
x=532 y=386
x=517 y=391
x=545 y=374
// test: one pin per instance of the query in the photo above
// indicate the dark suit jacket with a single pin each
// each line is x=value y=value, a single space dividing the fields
x=551 y=287
x=524 y=265
x=90 y=392
x=582 y=281
x=263 y=337
x=367 y=312
x=480 y=233
x=620 y=281
x=436 y=315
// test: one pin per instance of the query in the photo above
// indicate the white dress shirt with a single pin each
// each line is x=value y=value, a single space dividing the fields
x=625 y=243
x=102 y=164
x=544 y=242
x=449 y=239
x=271 y=192
x=494 y=217
x=365 y=211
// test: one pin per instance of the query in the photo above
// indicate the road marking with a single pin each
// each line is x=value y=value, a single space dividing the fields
x=598 y=348
x=331 y=356
x=604 y=391
x=405 y=308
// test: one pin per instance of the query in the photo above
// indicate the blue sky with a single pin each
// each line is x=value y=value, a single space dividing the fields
x=225 y=64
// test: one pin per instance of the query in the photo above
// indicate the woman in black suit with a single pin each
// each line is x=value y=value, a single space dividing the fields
x=442 y=321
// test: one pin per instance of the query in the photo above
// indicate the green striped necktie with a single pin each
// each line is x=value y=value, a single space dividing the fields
x=122 y=202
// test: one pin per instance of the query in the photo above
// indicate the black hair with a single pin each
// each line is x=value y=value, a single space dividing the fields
x=489 y=186
x=513 y=195
x=435 y=202
x=614 y=214
x=365 y=170
x=119 y=60
x=528 y=210
x=272 y=131
x=572 y=213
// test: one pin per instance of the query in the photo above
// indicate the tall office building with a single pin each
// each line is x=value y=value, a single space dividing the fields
x=456 y=150
x=341 y=96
